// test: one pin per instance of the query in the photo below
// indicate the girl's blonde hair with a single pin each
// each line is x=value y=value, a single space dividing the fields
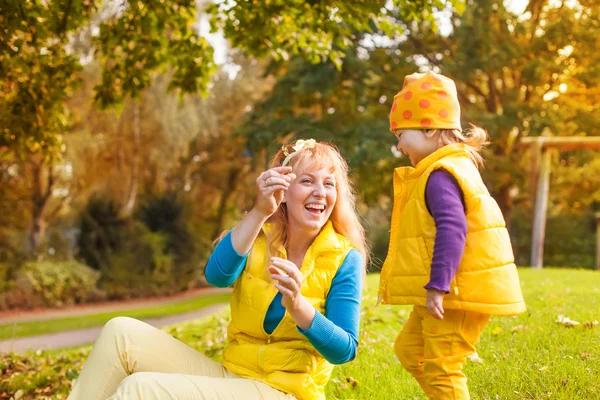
x=475 y=139
x=344 y=216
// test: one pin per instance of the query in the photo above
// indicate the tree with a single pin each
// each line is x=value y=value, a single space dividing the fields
x=133 y=40
x=524 y=75
x=44 y=46
x=528 y=74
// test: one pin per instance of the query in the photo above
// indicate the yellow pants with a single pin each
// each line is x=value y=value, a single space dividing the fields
x=133 y=360
x=435 y=351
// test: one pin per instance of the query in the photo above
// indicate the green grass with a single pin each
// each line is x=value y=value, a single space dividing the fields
x=540 y=359
x=23 y=329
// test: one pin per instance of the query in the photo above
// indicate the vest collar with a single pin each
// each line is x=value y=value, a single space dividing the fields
x=326 y=241
x=450 y=150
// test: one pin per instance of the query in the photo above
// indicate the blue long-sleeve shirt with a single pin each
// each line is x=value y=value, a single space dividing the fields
x=335 y=334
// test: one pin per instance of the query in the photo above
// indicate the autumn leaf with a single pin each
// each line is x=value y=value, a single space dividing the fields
x=353 y=382
x=474 y=357
x=589 y=324
x=566 y=321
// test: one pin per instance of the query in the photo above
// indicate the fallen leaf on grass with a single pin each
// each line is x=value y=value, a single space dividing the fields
x=519 y=328
x=353 y=382
x=584 y=355
x=475 y=358
x=566 y=321
x=496 y=331
x=589 y=324
x=543 y=368
x=346 y=383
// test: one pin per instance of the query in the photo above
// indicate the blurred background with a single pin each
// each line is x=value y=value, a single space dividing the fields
x=131 y=132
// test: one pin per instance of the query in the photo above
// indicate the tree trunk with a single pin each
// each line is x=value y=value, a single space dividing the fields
x=227 y=193
x=131 y=197
x=41 y=193
x=505 y=202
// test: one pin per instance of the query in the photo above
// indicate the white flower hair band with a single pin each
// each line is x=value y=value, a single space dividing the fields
x=300 y=145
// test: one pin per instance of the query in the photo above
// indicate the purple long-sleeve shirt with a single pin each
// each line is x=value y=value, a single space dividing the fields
x=445 y=203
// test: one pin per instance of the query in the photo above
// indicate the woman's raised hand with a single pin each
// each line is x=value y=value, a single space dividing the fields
x=288 y=280
x=271 y=185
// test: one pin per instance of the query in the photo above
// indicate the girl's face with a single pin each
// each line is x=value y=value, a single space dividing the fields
x=310 y=198
x=416 y=144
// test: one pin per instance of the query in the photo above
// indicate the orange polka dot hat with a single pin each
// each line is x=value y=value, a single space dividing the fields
x=426 y=101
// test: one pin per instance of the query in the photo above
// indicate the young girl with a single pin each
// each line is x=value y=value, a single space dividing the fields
x=450 y=253
x=296 y=265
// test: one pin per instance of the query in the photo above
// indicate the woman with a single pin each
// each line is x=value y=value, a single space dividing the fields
x=296 y=264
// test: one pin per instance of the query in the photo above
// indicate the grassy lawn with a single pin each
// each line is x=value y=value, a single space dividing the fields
x=525 y=357
x=8 y=331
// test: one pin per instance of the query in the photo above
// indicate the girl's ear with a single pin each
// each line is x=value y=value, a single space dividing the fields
x=429 y=133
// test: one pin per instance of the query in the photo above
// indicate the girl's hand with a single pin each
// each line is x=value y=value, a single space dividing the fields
x=435 y=301
x=271 y=185
x=288 y=280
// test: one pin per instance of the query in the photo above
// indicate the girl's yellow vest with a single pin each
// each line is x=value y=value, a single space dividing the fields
x=285 y=359
x=487 y=280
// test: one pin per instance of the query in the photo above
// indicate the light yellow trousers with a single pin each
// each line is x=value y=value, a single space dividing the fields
x=435 y=351
x=133 y=360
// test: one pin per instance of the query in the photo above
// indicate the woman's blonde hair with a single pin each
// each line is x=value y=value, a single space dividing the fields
x=475 y=139
x=344 y=216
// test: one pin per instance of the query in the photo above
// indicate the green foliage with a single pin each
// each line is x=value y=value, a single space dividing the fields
x=133 y=260
x=137 y=39
x=41 y=375
x=43 y=42
x=315 y=31
x=523 y=75
x=37 y=72
x=164 y=214
x=570 y=239
x=140 y=266
x=524 y=357
x=100 y=231
x=62 y=283
x=4 y=276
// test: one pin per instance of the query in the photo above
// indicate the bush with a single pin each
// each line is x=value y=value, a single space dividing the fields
x=61 y=283
x=140 y=266
x=165 y=214
x=101 y=231
x=570 y=239
x=20 y=294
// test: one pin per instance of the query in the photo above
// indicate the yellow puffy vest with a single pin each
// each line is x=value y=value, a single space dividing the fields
x=285 y=359
x=487 y=280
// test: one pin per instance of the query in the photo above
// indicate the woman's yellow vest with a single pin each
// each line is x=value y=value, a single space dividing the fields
x=285 y=359
x=487 y=280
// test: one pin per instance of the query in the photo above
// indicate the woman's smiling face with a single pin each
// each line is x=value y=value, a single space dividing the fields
x=311 y=197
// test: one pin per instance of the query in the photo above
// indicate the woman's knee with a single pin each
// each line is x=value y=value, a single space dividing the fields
x=135 y=386
x=119 y=326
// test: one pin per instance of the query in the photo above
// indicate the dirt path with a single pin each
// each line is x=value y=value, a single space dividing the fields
x=85 y=336
x=9 y=317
